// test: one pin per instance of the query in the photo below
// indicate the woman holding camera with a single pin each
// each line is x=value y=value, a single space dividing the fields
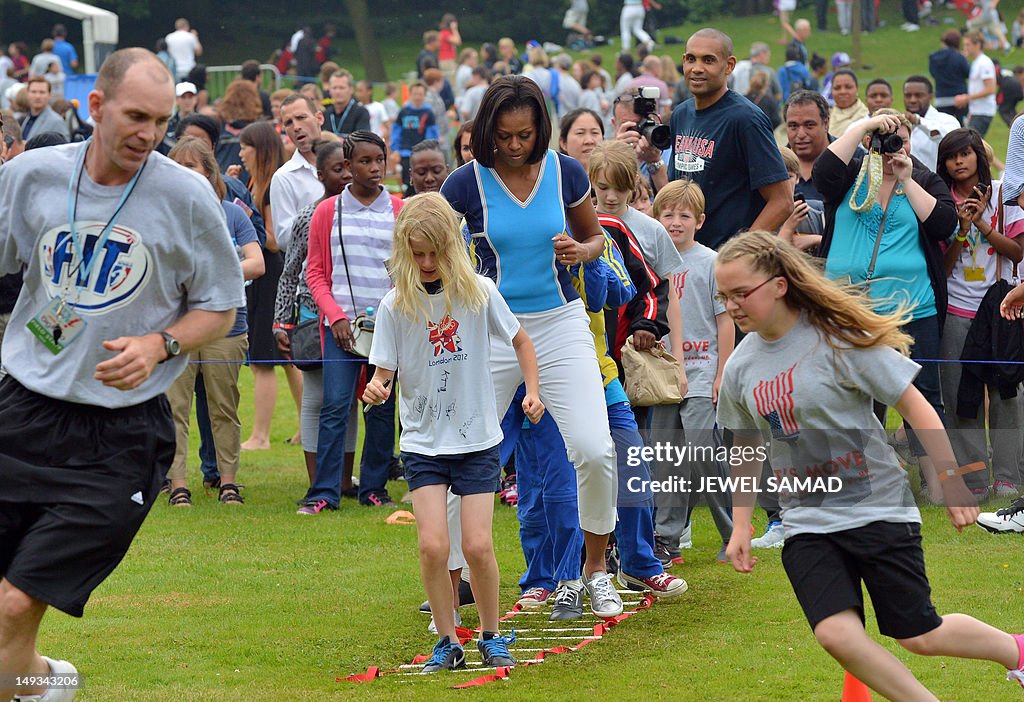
x=885 y=218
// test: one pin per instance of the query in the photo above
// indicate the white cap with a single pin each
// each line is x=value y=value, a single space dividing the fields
x=186 y=87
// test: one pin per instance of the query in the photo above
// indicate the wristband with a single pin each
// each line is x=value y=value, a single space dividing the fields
x=961 y=239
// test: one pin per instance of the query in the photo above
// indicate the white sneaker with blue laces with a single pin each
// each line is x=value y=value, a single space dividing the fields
x=773 y=537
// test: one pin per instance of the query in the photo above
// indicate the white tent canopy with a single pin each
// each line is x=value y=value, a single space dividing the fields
x=99 y=28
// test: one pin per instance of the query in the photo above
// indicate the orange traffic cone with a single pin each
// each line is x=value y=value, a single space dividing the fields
x=854 y=690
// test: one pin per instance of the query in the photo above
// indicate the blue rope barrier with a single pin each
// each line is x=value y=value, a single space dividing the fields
x=281 y=362
x=364 y=360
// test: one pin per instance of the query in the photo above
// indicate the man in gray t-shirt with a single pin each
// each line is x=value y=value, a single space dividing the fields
x=128 y=263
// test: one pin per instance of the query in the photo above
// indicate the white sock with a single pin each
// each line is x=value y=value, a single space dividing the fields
x=574 y=584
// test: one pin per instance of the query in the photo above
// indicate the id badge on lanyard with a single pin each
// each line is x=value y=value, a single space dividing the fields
x=57 y=324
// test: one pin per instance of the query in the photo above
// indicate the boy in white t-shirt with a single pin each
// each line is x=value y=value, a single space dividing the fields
x=380 y=120
x=980 y=98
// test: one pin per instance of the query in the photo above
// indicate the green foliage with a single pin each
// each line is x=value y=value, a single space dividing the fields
x=693 y=11
x=131 y=9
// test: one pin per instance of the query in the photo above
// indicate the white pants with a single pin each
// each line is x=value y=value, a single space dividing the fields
x=455 y=558
x=572 y=391
x=844 y=13
x=631 y=23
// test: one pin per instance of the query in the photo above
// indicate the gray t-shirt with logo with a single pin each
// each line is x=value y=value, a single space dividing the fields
x=169 y=252
x=694 y=283
x=815 y=406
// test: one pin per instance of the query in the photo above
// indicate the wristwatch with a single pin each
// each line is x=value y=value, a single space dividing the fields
x=656 y=166
x=171 y=346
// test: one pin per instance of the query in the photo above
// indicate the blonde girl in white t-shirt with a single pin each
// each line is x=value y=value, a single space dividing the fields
x=436 y=325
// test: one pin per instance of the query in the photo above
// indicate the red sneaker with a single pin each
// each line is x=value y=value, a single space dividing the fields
x=534 y=598
x=660 y=585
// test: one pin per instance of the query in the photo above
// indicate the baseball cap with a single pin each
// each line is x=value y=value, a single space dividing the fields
x=840 y=58
x=186 y=87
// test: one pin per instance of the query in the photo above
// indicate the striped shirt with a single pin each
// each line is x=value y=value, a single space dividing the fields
x=367 y=232
x=1013 y=178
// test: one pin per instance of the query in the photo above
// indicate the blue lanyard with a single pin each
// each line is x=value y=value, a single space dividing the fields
x=73 y=187
x=336 y=128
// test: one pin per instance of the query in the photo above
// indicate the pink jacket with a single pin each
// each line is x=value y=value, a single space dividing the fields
x=320 y=266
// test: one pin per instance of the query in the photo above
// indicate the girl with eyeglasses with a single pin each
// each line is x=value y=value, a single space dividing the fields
x=815 y=357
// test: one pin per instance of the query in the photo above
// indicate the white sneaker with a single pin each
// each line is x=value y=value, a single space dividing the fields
x=604 y=600
x=909 y=27
x=1018 y=673
x=1006 y=521
x=686 y=538
x=773 y=537
x=60 y=669
x=432 y=628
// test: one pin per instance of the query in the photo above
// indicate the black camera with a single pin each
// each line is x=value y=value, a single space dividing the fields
x=645 y=106
x=886 y=143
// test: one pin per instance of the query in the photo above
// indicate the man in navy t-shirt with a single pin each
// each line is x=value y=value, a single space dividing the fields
x=724 y=143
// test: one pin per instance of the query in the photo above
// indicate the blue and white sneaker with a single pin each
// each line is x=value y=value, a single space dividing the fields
x=773 y=537
x=494 y=652
x=447 y=655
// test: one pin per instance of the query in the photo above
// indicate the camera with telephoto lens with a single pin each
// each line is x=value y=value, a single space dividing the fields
x=886 y=143
x=645 y=106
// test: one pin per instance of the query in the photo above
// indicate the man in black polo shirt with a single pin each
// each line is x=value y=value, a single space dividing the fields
x=724 y=143
x=345 y=115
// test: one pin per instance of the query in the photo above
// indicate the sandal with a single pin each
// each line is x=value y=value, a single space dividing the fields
x=180 y=497
x=229 y=494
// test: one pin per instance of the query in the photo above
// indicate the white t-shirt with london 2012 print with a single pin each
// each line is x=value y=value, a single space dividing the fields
x=446 y=397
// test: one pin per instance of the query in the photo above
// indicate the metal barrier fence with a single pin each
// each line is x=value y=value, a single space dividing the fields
x=218 y=77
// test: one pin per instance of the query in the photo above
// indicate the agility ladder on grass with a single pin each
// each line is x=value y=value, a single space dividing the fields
x=581 y=631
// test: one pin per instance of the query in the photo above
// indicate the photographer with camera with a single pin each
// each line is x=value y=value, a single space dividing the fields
x=885 y=218
x=724 y=143
x=636 y=121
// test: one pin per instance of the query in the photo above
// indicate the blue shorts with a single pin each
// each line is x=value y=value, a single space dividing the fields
x=467 y=473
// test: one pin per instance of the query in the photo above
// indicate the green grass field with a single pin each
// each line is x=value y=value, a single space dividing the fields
x=256 y=603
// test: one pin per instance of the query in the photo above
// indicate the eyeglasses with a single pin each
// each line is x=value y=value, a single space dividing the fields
x=740 y=298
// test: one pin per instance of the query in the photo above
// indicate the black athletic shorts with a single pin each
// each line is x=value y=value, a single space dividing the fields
x=76 y=483
x=826 y=571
